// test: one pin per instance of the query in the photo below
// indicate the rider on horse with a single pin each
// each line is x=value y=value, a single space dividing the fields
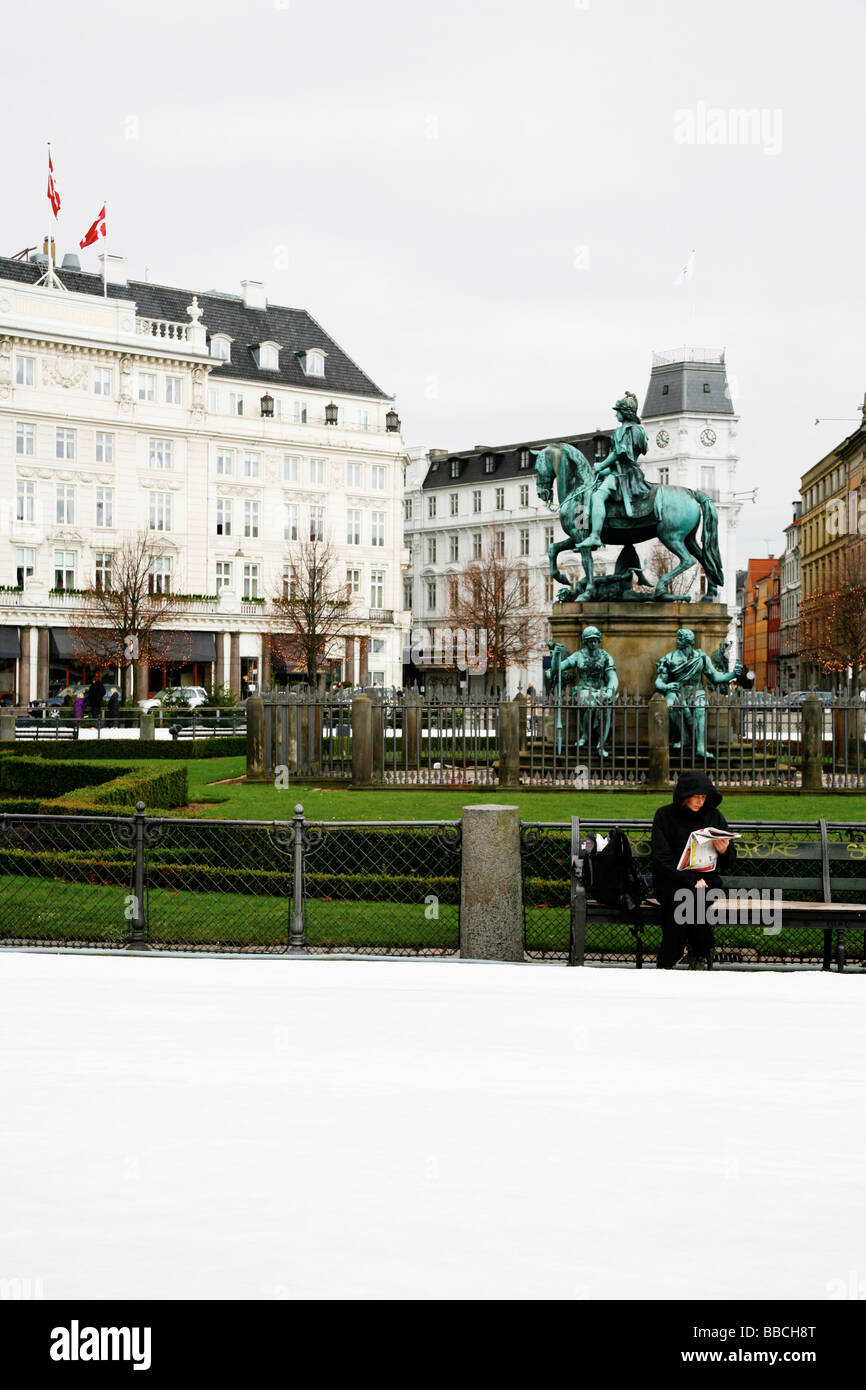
x=620 y=474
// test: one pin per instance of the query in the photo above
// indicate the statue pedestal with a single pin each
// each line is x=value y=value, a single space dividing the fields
x=638 y=634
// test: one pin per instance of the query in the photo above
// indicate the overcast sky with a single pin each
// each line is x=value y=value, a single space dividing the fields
x=485 y=202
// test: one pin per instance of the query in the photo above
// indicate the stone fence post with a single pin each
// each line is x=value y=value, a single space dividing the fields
x=255 y=739
x=509 y=743
x=147 y=726
x=658 y=745
x=7 y=727
x=362 y=741
x=812 y=743
x=491 y=884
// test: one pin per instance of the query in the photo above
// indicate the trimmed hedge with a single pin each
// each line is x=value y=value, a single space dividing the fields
x=160 y=788
x=50 y=778
x=230 y=746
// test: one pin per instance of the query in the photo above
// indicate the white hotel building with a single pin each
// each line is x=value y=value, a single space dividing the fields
x=149 y=408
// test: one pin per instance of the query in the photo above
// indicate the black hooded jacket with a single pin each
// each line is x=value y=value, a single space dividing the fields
x=672 y=826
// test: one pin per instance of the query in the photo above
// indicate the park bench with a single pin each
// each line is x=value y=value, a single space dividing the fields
x=822 y=886
x=45 y=728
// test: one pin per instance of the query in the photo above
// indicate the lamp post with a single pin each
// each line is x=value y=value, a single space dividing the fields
x=267 y=406
x=331 y=413
x=392 y=421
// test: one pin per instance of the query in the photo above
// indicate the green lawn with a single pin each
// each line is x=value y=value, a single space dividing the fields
x=258 y=801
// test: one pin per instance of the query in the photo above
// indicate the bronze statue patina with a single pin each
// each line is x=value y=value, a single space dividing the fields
x=612 y=501
x=681 y=680
x=592 y=671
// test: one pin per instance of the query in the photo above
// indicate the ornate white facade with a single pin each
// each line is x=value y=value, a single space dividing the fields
x=114 y=420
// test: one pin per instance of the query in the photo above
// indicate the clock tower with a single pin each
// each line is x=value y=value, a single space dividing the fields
x=689 y=418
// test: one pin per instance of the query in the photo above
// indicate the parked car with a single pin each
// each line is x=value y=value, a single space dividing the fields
x=796 y=697
x=179 y=696
x=50 y=708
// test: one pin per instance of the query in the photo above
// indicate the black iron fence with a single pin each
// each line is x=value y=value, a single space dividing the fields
x=198 y=885
x=744 y=739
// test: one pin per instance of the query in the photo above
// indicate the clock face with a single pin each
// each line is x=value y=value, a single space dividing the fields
x=663 y=439
x=708 y=437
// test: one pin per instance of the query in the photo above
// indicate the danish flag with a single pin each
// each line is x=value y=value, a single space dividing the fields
x=96 y=231
x=53 y=195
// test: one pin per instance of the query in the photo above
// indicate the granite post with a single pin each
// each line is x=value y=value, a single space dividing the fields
x=7 y=727
x=658 y=749
x=509 y=743
x=491 y=884
x=256 y=739
x=147 y=726
x=362 y=743
x=812 y=743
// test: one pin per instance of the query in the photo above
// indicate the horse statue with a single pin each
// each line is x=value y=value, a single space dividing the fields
x=672 y=514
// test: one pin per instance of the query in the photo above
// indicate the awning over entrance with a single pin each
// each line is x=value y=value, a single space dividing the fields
x=87 y=646
x=183 y=648
x=10 y=643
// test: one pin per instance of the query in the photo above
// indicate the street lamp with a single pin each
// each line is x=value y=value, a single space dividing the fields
x=267 y=406
x=392 y=421
x=331 y=414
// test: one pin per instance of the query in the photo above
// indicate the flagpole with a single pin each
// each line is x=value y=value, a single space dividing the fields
x=50 y=277
x=105 y=252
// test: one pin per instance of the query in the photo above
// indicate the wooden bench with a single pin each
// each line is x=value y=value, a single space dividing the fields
x=45 y=729
x=798 y=843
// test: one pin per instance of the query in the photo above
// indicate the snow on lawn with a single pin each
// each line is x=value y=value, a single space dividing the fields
x=178 y=1128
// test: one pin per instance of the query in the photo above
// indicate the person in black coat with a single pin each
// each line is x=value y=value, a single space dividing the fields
x=694 y=804
x=95 y=697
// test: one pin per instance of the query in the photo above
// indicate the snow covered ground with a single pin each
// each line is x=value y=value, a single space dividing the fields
x=178 y=1128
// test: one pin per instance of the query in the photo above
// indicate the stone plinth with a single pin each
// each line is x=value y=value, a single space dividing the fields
x=638 y=634
x=491 y=884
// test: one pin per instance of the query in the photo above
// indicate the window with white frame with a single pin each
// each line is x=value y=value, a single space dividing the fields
x=317 y=523
x=454 y=499
x=377 y=588
x=25 y=503
x=548 y=536
x=455 y=468
x=224 y=516
x=454 y=549
x=524 y=494
x=146 y=386
x=362 y=419
x=65 y=504
x=524 y=458
x=476 y=545
x=377 y=477
x=549 y=582
x=431 y=595
x=159 y=574
x=25 y=561
x=500 y=499
x=353 y=526
x=25 y=440
x=407 y=594
x=173 y=390
x=708 y=477
x=353 y=474
x=104 y=447
x=213 y=400
x=159 y=516
x=314 y=362
x=299 y=412
x=64 y=444
x=105 y=506
x=524 y=540
x=453 y=591
x=489 y=463
x=160 y=453
x=407 y=508
x=220 y=348
x=289 y=589
x=317 y=472
x=291 y=468
x=290 y=521
x=102 y=381
x=499 y=543
x=64 y=569
x=25 y=371
x=476 y=500
x=252 y=465
x=431 y=550
x=251 y=581
x=664 y=475
x=523 y=589
x=236 y=403
x=353 y=583
x=377 y=528
x=269 y=357
x=102 y=569
x=225 y=462
x=431 y=506
x=251 y=518
x=223 y=574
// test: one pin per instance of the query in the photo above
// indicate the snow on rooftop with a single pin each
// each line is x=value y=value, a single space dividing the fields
x=255 y=1128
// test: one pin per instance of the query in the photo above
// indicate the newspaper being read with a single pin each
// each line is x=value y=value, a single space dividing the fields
x=700 y=852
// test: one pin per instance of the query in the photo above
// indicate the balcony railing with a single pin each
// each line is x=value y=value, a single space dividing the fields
x=166 y=329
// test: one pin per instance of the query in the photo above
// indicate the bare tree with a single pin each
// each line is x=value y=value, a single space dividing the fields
x=833 y=621
x=493 y=595
x=123 y=620
x=658 y=562
x=311 y=612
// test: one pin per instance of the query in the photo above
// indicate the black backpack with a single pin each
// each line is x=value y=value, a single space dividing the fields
x=611 y=877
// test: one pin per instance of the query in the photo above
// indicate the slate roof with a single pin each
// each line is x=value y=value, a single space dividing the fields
x=507 y=459
x=293 y=329
x=685 y=383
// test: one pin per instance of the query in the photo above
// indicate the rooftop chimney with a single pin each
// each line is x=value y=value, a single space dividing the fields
x=114 y=269
x=254 y=294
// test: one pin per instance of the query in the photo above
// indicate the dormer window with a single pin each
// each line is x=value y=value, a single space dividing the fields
x=267 y=356
x=665 y=389
x=221 y=348
x=489 y=463
x=524 y=458
x=313 y=362
x=455 y=468
x=706 y=388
